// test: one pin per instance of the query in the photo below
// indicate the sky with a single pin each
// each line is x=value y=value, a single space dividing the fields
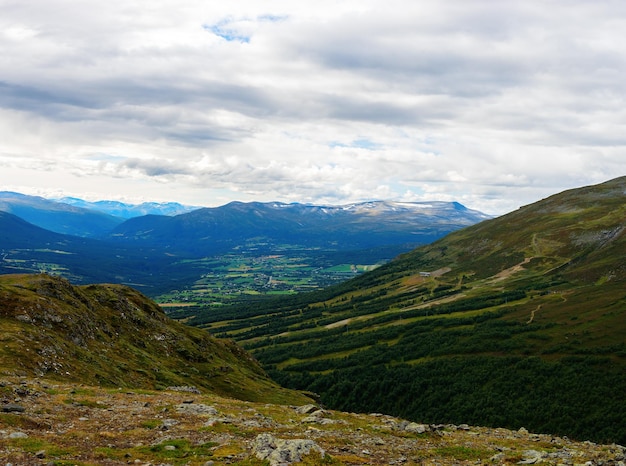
x=489 y=103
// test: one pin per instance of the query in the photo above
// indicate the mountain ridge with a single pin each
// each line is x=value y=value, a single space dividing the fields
x=126 y=210
x=356 y=226
x=112 y=335
x=57 y=217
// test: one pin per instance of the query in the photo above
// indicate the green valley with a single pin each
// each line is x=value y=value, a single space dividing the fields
x=516 y=321
x=284 y=270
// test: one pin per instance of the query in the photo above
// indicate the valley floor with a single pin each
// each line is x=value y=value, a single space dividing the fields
x=46 y=422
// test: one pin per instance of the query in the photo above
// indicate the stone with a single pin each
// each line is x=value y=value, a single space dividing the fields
x=13 y=408
x=531 y=457
x=416 y=428
x=198 y=409
x=166 y=424
x=15 y=435
x=186 y=389
x=281 y=452
x=307 y=409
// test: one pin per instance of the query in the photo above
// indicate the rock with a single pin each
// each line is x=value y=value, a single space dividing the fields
x=217 y=420
x=317 y=417
x=166 y=424
x=15 y=435
x=186 y=389
x=41 y=454
x=197 y=409
x=416 y=428
x=13 y=408
x=281 y=452
x=531 y=457
x=307 y=409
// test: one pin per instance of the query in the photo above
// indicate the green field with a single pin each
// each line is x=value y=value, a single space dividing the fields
x=233 y=277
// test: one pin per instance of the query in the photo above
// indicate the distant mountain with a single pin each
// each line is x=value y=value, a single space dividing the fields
x=515 y=321
x=158 y=253
x=348 y=227
x=126 y=211
x=114 y=336
x=18 y=233
x=56 y=216
x=27 y=248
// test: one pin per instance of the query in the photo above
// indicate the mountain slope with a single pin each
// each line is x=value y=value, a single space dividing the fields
x=112 y=335
x=515 y=321
x=58 y=217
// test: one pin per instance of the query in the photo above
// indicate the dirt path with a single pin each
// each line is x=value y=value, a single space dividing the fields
x=532 y=314
x=511 y=270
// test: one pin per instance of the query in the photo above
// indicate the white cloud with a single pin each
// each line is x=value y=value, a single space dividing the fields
x=492 y=104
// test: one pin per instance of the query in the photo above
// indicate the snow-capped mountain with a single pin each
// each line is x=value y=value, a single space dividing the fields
x=126 y=211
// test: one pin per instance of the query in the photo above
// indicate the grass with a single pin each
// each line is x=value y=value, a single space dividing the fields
x=463 y=453
x=35 y=445
x=128 y=433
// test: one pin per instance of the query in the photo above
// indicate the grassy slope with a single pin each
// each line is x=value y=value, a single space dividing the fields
x=87 y=426
x=520 y=322
x=112 y=335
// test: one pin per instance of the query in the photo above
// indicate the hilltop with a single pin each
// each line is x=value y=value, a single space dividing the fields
x=113 y=336
x=515 y=321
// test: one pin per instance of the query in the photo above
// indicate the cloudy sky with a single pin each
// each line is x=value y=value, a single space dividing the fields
x=493 y=104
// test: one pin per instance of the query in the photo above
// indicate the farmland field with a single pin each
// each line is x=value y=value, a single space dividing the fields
x=234 y=276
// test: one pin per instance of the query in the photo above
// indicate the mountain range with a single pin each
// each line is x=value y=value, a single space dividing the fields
x=515 y=321
x=159 y=253
x=126 y=210
x=349 y=227
x=77 y=217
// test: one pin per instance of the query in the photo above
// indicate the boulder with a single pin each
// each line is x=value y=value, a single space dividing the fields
x=13 y=408
x=280 y=452
x=307 y=409
x=197 y=409
x=416 y=428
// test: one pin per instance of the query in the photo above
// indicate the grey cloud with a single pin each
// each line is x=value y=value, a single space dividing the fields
x=156 y=167
x=279 y=100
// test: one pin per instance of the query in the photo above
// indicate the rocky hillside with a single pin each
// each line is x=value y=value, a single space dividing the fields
x=44 y=422
x=111 y=335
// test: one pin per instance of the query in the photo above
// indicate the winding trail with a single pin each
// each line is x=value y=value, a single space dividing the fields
x=532 y=314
